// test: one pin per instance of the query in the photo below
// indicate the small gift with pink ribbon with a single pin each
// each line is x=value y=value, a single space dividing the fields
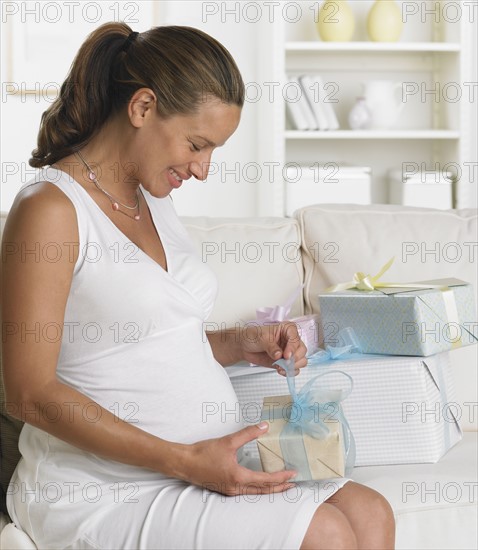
x=307 y=325
x=414 y=318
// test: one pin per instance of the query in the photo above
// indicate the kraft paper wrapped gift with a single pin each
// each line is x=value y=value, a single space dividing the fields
x=308 y=431
x=325 y=457
x=402 y=410
x=402 y=320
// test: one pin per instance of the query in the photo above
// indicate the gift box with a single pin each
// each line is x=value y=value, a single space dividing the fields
x=307 y=325
x=421 y=320
x=402 y=410
x=325 y=457
x=308 y=431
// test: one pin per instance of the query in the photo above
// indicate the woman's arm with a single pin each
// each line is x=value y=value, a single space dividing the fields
x=34 y=293
x=226 y=345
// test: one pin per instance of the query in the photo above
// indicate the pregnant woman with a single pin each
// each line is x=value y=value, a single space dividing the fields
x=116 y=451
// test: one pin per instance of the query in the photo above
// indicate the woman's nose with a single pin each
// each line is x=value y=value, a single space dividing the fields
x=200 y=168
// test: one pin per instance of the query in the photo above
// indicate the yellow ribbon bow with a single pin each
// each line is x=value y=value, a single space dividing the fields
x=367 y=282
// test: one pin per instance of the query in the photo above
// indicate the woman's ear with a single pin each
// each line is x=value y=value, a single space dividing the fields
x=141 y=107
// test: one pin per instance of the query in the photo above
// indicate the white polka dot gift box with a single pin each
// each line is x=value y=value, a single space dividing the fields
x=401 y=410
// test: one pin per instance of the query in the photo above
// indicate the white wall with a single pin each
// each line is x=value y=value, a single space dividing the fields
x=39 y=41
x=224 y=193
x=37 y=52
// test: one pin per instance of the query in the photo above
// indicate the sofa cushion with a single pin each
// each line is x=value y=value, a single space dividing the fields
x=15 y=539
x=9 y=430
x=339 y=240
x=257 y=262
x=434 y=504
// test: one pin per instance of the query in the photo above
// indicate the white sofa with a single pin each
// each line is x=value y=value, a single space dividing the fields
x=261 y=261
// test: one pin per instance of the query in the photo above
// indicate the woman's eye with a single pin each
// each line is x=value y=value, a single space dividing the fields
x=195 y=147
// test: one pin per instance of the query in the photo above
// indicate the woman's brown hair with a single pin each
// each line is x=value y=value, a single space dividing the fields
x=182 y=65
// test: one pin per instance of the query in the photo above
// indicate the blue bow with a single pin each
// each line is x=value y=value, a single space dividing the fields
x=349 y=347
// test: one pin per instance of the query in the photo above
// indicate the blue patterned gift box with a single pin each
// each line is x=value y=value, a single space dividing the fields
x=404 y=321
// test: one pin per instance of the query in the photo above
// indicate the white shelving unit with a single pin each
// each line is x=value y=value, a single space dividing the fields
x=371 y=47
x=435 y=131
x=373 y=134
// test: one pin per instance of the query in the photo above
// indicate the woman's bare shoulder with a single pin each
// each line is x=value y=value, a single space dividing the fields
x=41 y=212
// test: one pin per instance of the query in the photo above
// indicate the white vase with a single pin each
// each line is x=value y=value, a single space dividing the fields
x=384 y=99
x=360 y=116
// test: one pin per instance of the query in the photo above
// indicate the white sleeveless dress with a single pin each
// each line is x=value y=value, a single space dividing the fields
x=133 y=341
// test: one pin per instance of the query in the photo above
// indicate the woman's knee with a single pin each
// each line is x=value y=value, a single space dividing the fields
x=359 y=501
x=383 y=523
x=369 y=514
x=329 y=529
x=380 y=508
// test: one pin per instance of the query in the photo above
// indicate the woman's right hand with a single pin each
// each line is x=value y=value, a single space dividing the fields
x=212 y=464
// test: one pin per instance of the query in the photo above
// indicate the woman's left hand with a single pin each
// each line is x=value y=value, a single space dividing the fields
x=264 y=344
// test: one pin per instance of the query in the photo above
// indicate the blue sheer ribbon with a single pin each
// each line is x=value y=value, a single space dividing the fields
x=310 y=406
x=348 y=348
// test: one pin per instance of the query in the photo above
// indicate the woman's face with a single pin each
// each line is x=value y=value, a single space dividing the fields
x=168 y=151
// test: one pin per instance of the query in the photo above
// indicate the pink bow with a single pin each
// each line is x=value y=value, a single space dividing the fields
x=277 y=314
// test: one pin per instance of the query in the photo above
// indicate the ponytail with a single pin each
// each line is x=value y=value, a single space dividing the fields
x=182 y=65
x=85 y=99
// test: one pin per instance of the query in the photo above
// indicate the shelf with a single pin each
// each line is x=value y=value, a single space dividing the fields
x=373 y=134
x=378 y=47
x=434 y=130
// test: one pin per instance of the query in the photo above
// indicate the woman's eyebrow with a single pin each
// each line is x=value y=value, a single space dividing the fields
x=210 y=143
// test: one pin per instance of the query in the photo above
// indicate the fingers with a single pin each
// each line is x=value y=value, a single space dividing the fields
x=292 y=344
x=298 y=352
x=300 y=359
x=267 y=481
x=228 y=477
x=275 y=351
x=251 y=489
x=253 y=483
x=247 y=434
x=282 y=372
x=294 y=347
x=281 y=340
x=263 y=483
